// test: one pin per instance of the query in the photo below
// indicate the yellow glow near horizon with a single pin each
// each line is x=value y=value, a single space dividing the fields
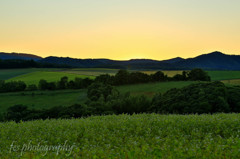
x=120 y=29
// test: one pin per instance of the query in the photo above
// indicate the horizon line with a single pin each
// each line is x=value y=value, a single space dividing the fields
x=115 y=59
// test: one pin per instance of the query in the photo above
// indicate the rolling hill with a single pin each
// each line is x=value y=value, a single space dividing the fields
x=22 y=56
x=211 y=61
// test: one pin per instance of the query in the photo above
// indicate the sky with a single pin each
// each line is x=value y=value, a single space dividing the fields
x=120 y=29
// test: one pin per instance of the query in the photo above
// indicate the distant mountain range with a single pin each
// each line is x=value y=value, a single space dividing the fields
x=212 y=61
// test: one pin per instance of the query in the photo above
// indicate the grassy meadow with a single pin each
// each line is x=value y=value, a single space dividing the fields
x=47 y=99
x=42 y=99
x=124 y=136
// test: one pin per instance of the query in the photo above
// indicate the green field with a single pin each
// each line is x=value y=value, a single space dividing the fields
x=42 y=99
x=47 y=99
x=35 y=77
x=150 y=89
x=90 y=71
x=32 y=76
x=224 y=75
x=124 y=136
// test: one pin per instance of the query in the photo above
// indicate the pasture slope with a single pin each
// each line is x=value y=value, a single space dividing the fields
x=35 y=77
x=47 y=99
x=150 y=89
x=6 y=74
x=124 y=136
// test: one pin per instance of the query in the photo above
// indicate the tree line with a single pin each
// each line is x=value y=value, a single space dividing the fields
x=122 y=77
x=103 y=99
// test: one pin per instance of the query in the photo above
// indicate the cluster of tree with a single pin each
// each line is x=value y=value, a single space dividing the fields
x=198 y=98
x=124 y=77
x=104 y=99
x=19 y=63
x=211 y=97
x=12 y=86
x=15 y=86
x=64 y=83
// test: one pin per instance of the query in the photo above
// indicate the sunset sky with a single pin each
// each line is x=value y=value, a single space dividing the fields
x=120 y=29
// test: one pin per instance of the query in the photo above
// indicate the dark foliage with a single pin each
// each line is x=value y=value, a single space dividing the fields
x=198 y=75
x=198 y=98
x=23 y=113
x=12 y=86
x=105 y=79
x=97 y=90
x=124 y=77
x=78 y=83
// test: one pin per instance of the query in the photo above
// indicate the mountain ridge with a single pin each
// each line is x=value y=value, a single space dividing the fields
x=214 y=60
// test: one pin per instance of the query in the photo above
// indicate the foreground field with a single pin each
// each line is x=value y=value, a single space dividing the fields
x=124 y=136
x=47 y=99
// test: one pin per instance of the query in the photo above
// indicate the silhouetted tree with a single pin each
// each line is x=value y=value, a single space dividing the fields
x=198 y=75
x=158 y=76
